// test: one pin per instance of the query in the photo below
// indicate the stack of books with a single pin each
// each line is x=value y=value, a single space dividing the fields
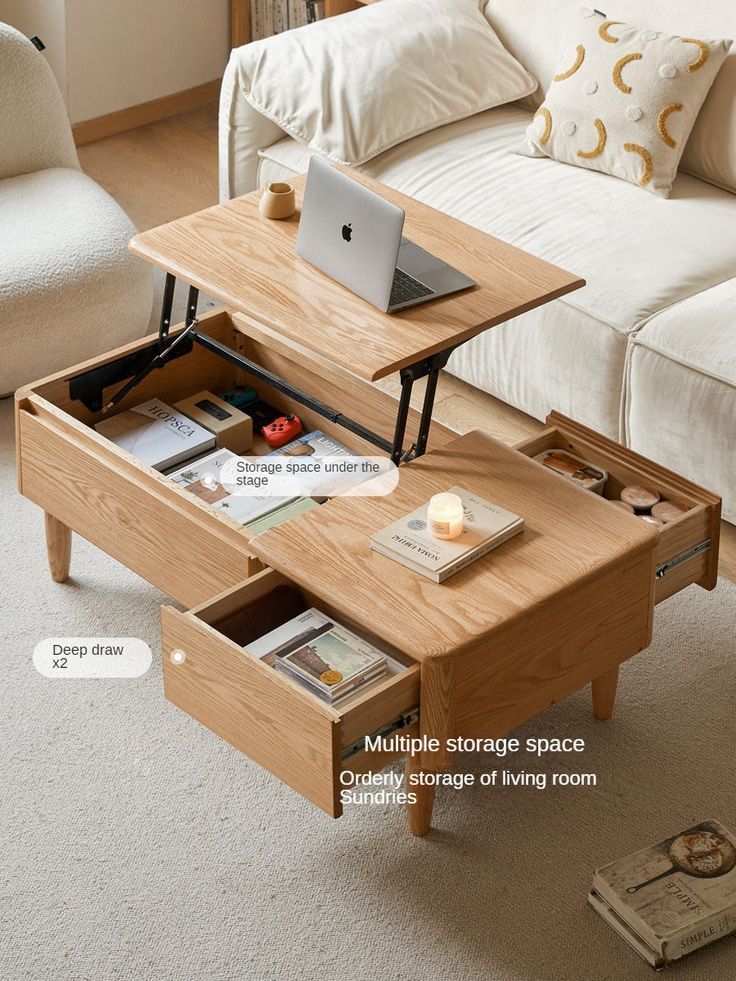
x=321 y=655
x=268 y=17
x=673 y=897
x=202 y=478
x=156 y=434
x=409 y=541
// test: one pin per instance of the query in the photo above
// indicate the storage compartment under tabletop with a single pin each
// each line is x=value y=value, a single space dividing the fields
x=176 y=541
x=302 y=740
x=687 y=549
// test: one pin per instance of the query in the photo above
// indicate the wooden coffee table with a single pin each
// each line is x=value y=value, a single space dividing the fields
x=561 y=605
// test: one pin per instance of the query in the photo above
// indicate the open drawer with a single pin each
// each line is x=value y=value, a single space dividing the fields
x=279 y=725
x=687 y=551
x=179 y=543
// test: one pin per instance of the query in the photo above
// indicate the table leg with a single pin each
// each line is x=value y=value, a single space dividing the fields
x=604 y=694
x=420 y=813
x=58 y=547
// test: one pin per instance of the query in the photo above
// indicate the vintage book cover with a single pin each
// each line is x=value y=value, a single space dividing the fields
x=675 y=896
x=409 y=541
x=156 y=434
x=202 y=478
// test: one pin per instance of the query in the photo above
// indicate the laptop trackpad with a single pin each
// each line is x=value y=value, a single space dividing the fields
x=416 y=261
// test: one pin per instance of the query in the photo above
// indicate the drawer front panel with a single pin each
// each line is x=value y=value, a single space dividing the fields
x=299 y=739
x=253 y=708
x=121 y=515
x=687 y=551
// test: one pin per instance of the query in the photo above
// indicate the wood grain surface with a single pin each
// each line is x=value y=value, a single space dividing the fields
x=253 y=708
x=570 y=536
x=250 y=264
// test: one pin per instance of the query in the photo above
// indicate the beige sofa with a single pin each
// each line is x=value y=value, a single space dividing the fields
x=647 y=351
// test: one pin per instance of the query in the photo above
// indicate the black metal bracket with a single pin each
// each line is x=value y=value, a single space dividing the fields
x=281 y=385
x=88 y=387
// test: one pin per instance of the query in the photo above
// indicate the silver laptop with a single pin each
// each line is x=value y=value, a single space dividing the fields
x=354 y=235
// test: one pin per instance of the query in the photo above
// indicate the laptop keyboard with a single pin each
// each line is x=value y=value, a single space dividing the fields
x=406 y=288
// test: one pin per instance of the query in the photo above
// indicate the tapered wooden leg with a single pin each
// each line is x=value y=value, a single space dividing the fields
x=604 y=694
x=58 y=547
x=420 y=814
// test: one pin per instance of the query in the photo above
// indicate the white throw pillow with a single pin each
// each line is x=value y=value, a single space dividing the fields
x=353 y=86
x=624 y=100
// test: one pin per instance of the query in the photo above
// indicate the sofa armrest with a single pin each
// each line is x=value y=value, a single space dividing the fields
x=243 y=131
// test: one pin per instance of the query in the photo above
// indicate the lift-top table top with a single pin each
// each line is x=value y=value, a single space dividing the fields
x=250 y=264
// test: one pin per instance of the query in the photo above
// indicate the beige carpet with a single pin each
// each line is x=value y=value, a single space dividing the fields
x=135 y=845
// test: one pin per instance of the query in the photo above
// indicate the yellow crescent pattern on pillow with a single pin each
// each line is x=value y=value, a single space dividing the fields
x=702 y=57
x=600 y=145
x=579 y=59
x=662 y=122
x=619 y=67
x=547 y=117
x=603 y=31
x=646 y=157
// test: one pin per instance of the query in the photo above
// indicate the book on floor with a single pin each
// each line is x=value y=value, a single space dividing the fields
x=321 y=655
x=156 y=434
x=674 y=897
x=409 y=541
x=202 y=478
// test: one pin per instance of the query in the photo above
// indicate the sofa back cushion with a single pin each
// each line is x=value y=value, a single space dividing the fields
x=534 y=31
x=352 y=86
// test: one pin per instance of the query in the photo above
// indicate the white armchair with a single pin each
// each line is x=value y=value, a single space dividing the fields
x=69 y=288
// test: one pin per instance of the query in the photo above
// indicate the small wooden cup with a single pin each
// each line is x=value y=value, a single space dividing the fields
x=277 y=201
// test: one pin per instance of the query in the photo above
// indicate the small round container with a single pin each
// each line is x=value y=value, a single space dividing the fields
x=650 y=520
x=623 y=505
x=669 y=510
x=640 y=498
x=277 y=201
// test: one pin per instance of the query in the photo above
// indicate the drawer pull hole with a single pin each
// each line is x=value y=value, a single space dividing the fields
x=177 y=657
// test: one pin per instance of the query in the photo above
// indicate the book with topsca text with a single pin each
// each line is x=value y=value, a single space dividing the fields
x=409 y=541
x=321 y=655
x=671 y=898
x=156 y=434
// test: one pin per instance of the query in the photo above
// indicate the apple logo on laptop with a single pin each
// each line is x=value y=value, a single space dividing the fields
x=347 y=231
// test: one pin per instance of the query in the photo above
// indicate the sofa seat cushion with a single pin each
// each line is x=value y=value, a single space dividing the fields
x=638 y=254
x=681 y=388
x=69 y=287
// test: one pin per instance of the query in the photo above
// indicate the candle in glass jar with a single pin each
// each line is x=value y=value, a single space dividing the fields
x=445 y=516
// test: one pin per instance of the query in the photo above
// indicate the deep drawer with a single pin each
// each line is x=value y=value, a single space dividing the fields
x=277 y=724
x=687 y=551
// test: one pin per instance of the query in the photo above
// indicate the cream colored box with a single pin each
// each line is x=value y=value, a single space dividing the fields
x=233 y=428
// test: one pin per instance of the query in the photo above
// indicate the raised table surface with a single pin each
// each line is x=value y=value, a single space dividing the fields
x=250 y=264
x=571 y=537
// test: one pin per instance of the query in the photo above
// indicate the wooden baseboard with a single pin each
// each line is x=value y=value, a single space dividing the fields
x=146 y=112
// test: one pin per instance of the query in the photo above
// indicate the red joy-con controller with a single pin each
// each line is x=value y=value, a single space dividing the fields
x=281 y=431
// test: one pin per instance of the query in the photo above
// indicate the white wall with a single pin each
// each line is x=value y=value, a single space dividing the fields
x=45 y=18
x=111 y=54
x=120 y=54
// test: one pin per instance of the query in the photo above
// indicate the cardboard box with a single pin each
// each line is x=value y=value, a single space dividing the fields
x=232 y=427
